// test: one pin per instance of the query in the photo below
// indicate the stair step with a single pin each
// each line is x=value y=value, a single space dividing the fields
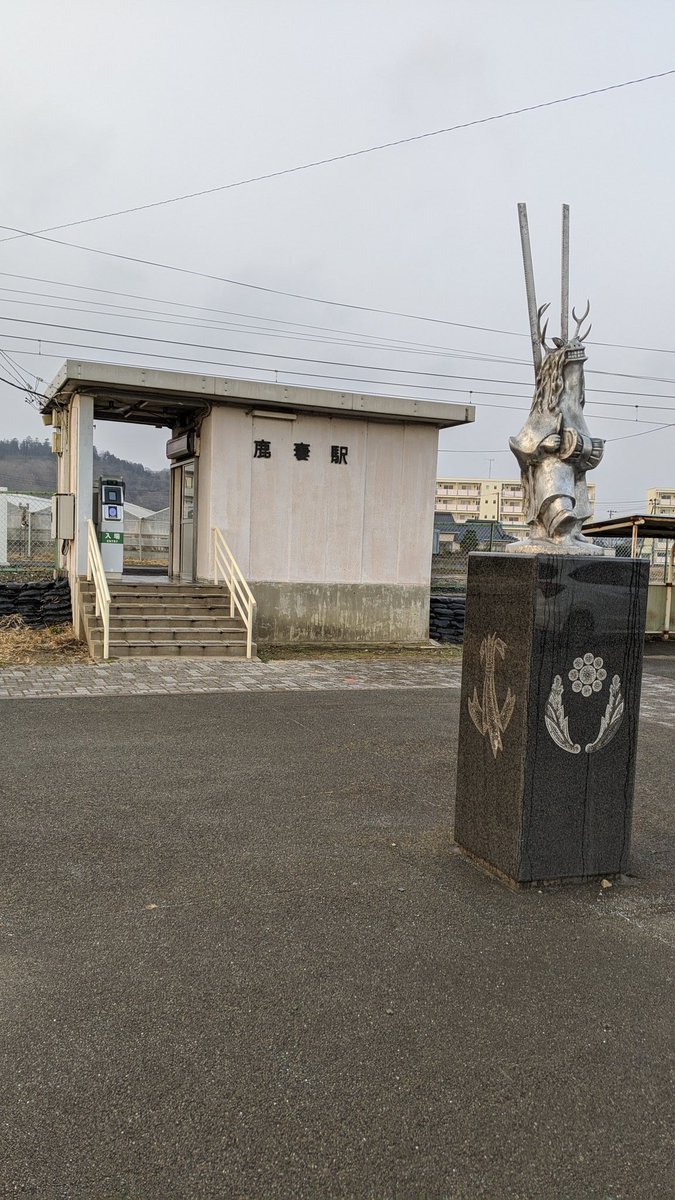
x=170 y=611
x=161 y=621
x=160 y=636
x=205 y=649
x=160 y=614
x=166 y=592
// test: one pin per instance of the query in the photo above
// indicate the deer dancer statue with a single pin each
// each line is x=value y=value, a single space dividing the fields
x=554 y=448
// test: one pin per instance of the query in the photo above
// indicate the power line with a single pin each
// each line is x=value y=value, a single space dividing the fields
x=12 y=368
x=23 y=384
x=256 y=287
x=252 y=316
x=625 y=438
x=259 y=353
x=22 y=387
x=394 y=385
x=321 y=162
x=395 y=345
x=327 y=328
x=642 y=432
x=137 y=337
x=187 y=321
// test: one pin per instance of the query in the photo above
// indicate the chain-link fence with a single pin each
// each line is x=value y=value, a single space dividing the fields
x=451 y=550
x=146 y=540
x=450 y=559
x=27 y=549
x=450 y=565
x=656 y=551
x=26 y=543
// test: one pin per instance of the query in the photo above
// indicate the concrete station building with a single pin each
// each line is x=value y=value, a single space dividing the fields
x=325 y=499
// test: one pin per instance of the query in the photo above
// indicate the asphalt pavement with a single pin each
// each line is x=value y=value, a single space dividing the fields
x=239 y=958
x=659 y=658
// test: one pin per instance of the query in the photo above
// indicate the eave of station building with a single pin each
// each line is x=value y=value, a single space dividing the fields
x=174 y=398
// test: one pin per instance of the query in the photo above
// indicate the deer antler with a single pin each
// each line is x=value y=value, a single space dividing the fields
x=542 y=332
x=579 y=322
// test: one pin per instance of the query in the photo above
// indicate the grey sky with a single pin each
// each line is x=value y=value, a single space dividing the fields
x=109 y=105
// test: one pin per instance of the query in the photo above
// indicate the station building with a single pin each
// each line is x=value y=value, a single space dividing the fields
x=324 y=500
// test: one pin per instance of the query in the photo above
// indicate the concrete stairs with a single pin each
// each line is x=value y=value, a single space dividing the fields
x=155 y=618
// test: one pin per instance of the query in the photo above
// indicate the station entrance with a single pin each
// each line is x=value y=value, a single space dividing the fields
x=183 y=541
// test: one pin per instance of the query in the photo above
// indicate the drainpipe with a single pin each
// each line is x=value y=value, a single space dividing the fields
x=669 y=593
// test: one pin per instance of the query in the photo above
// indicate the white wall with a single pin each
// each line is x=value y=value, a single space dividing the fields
x=369 y=521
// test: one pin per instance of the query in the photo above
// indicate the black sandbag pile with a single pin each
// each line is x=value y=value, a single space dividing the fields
x=446 y=618
x=38 y=603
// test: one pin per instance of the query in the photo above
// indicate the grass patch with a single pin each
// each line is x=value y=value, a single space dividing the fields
x=22 y=645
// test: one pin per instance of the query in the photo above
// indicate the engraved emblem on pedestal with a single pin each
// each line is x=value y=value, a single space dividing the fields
x=488 y=717
x=587 y=676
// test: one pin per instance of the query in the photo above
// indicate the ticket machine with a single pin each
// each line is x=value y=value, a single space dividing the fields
x=109 y=521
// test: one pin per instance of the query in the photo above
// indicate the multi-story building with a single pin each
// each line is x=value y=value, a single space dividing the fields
x=660 y=503
x=487 y=500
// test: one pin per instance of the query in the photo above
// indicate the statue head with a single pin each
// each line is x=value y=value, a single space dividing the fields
x=550 y=378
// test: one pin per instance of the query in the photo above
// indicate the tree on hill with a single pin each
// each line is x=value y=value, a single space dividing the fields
x=30 y=466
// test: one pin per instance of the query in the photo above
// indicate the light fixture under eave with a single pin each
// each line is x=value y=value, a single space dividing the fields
x=275 y=416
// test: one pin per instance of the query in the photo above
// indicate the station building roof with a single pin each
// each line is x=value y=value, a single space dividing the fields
x=143 y=395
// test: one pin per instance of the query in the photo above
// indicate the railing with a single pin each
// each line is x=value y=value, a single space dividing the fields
x=96 y=572
x=241 y=596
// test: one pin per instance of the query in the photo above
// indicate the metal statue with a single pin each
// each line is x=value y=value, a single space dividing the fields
x=554 y=448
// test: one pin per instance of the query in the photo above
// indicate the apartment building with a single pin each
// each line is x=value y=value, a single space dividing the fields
x=660 y=503
x=487 y=500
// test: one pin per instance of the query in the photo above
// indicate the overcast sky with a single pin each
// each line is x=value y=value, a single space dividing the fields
x=111 y=105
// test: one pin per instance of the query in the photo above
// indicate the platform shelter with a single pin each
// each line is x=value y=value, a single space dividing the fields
x=324 y=499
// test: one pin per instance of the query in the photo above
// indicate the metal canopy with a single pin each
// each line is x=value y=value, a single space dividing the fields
x=139 y=408
x=652 y=526
x=173 y=398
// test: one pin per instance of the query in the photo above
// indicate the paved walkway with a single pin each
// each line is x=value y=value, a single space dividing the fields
x=239 y=958
x=151 y=677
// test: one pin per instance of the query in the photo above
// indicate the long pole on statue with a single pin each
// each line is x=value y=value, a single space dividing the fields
x=529 y=286
x=565 y=275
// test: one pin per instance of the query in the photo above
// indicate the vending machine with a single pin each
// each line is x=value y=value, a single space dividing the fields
x=109 y=520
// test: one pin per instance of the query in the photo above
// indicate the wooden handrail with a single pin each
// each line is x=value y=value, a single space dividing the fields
x=96 y=572
x=241 y=596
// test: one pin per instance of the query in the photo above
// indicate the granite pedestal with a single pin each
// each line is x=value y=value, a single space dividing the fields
x=549 y=715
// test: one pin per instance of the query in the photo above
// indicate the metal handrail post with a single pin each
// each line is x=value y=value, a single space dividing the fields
x=96 y=572
x=241 y=597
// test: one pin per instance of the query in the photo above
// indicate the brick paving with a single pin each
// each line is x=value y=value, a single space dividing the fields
x=158 y=677
x=152 y=677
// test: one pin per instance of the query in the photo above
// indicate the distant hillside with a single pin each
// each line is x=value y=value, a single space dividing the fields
x=30 y=466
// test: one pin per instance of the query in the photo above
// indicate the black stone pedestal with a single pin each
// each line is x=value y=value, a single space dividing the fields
x=549 y=714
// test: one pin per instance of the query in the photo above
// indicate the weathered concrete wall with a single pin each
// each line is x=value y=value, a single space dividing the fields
x=366 y=521
x=340 y=613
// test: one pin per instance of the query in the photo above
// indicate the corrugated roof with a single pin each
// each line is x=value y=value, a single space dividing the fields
x=648 y=526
